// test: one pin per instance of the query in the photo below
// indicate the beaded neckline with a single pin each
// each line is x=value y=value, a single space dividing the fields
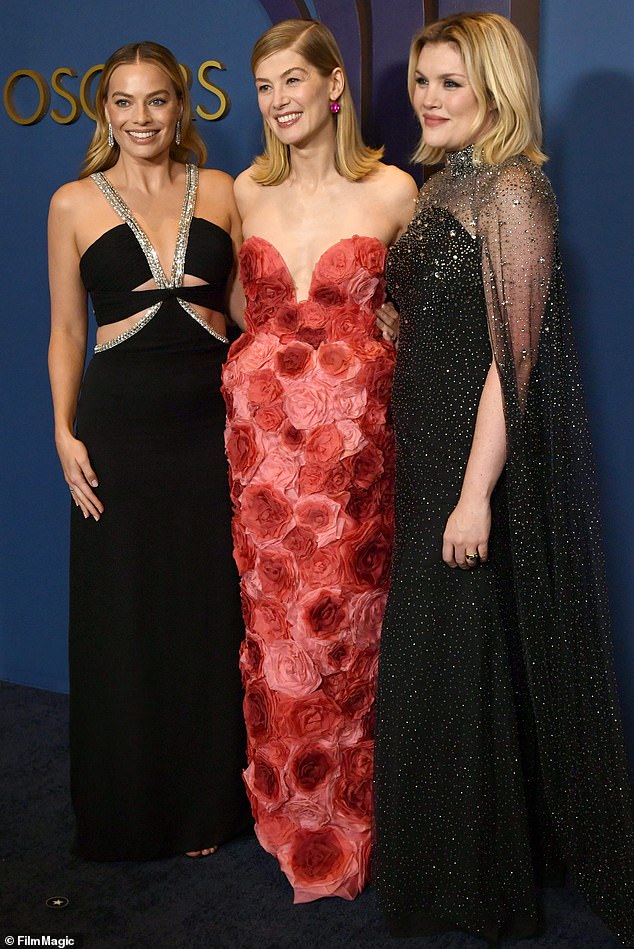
x=461 y=161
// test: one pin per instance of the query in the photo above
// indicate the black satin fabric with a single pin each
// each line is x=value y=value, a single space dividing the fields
x=157 y=732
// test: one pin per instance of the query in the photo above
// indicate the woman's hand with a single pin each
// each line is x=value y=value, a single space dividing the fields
x=466 y=537
x=79 y=475
x=387 y=320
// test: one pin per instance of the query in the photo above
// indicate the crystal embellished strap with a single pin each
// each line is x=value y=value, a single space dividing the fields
x=117 y=203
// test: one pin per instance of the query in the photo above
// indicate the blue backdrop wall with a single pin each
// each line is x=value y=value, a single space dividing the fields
x=587 y=83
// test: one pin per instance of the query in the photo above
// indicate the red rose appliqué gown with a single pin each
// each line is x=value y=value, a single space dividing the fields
x=310 y=452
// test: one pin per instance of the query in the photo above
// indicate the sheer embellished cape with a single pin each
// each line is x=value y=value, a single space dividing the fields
x=554 y=526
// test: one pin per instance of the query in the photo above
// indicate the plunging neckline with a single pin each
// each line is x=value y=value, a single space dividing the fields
x=120 y=207
x=285 y=267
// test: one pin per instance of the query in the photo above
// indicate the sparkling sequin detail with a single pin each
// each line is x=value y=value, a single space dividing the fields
x=178 y=264
x=499 y=755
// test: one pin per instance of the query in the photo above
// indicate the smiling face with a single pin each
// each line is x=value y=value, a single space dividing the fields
x=444 y=100
x=294 y=98
x=143 y=107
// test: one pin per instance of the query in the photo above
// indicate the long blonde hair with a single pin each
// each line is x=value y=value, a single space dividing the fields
x=100 y=156
x=501 y=71
x=314 y=41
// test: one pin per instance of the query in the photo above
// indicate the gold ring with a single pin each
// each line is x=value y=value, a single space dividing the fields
x=475 y=556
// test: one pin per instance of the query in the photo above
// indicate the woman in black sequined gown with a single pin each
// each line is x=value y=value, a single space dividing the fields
x=499 y=758
x=156 y=728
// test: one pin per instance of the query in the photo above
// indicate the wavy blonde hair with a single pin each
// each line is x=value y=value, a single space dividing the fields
x=314 y=41
x=100 y=156
x=501 y=71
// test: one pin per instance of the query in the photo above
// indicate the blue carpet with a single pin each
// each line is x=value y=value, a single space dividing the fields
x=236 y=899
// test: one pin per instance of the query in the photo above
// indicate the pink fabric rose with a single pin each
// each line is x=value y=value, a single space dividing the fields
x=265 y=512
x=322 y=515
x=325 y=445
x=306 y=407
x=289 y=669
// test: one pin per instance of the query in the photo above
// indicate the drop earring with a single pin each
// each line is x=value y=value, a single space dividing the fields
x=110 y=135
x=334 y=107
x=177 y=137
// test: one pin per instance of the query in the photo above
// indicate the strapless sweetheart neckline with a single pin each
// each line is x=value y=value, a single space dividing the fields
x=344 y=240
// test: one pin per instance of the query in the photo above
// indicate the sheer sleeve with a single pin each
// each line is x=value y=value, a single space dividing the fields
x=554 y=527
x=516 y=226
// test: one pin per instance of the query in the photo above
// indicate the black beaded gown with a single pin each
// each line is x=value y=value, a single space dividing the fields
x=156 y=727
x=499 y=759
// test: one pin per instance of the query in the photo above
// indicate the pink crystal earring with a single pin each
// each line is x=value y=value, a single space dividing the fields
x=334 y=107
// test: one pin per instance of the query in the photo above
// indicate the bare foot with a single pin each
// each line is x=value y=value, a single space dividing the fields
x=201 y=853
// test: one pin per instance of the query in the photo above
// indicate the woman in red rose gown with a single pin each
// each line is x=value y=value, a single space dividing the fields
x=311 y=459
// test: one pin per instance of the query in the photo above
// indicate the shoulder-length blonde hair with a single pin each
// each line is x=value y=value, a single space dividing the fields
x=502 y=74
x=100 y=156
x=314 y=41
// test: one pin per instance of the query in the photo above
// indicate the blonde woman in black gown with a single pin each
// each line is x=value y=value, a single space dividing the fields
x=499 y=755
x=156 y=729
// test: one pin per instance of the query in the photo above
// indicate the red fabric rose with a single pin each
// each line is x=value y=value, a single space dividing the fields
x=268 y=619
x=367 y=617
x=350 y=324
x=292 y=438
x=276 y=573
x=368 y=556
x=338 y=479
x=311 y=766
x=301 y=541
x=322 y=568
x=295 y=359
x=286 y=319
x=370 y=254
x=325 y=445
x=259 y=706
x=367 y=466
x=337 y=264
x=354 y=696
x=265 y=513
x=363 y=504
x=320 y=863
x=377 y=378
x=312 y=479
x=353 y=794
x=374 y=419
x=273 y=830
x=312 y=335
x=337 y=362
x=321 y=514
x=325 y=614
x=270 y=417
x=328 y=295
x=335 y=656
x=289 y=669
x=251 y=657
x=244 y=450
x=308 y=718
x=264 y=777
x=243 y=549
x=312 y=315
x=264 y=387
x=257 y=257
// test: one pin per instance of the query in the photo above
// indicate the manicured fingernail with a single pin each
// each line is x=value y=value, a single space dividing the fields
x=94 y=483
x=85 y=514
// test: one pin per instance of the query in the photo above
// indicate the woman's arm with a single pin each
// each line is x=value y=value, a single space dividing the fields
x=67 y=351
x=468 y=526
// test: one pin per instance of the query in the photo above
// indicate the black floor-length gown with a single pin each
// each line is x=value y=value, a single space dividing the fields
x=499 y=758
x=157 y=734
